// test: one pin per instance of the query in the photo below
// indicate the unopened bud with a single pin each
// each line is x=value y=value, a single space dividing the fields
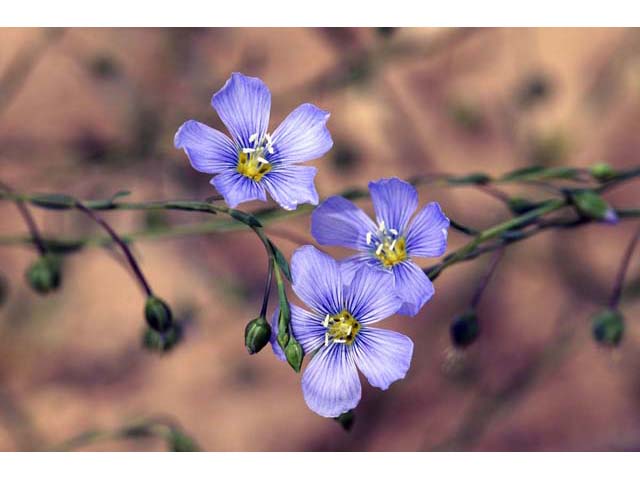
x=284 y=317
x=158 y=314
x=44 y=275
x=592 y=205
x=256 y=335
x=162 y=342
x=608 y=327
x=294 y=354
x=465 y=329
x=346 y=420
x=179 y=442
x=602 y=172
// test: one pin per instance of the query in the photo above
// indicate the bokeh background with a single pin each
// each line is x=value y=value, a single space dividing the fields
x=93 y=111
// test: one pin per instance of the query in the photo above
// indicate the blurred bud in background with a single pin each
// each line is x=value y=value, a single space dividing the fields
x=591 y=205
x=608 y=327
x=534 y=89
x=178 y=441
x=346 y=420
x=158 y=314
x=465 y=329
x=4 y=289
x=45 y=274
x=602 y=172
x=162 y=342
x=256 y=335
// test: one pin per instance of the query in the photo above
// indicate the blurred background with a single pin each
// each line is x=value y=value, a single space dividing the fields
x=90 y=112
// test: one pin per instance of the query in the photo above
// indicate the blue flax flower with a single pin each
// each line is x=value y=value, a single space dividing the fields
x=253 y=162
x=388 y=244
x=338 y=330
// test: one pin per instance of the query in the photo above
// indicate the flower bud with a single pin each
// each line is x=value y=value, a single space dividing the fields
x=602 y=172
x=162 y=342
x=608 y=327
x=284 y=317
x=346 y=420
x=256 y=335
x=44 y=275
x=592 y=205
x=465 y=329
x=158 y=314
x=179 y=442
x=294 y=354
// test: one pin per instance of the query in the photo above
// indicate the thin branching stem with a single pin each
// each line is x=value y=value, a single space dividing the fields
x=622 y=272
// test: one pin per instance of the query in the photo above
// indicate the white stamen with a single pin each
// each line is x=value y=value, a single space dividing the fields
x=325 y=322
x=393 y=244
x=262 y=160
x=381 y=226
x=253 y=137
x=268 y=137
x=326 y=339
x=349 y=331
x=368 y=238
x=270 y=149
x=379 y=249
x=394 y=231
x=337 y=340
x=248 y=150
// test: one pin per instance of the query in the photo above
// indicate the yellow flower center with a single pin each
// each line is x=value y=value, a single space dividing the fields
x=252 y=165
x=391 y=251
x=251 y=160
x=387 y=245
x=341 y=328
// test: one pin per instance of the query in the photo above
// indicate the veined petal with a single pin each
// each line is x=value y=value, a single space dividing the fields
x=394 y=201
x=427 y=234
x=306 y=326
x=412 y=286
x=236 y=188
x=291 y=185
x=350 y=265
x=317 y=280
x=330 y=384
x=302 y=136
x=339 y=222
x=370 y=297
x=208 y=150
x=244 y=105
x=383 y=356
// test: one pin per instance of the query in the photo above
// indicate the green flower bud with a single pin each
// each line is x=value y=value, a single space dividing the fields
x=346 y=420
x=608 y=327
x=44 y=275
x=158 y=314
x=465 y=329
x=179 y=442
x=602 y=172
x=294 y=354
x=162 y=342
x=592 y=205
x=256 y=335
x=283 y=325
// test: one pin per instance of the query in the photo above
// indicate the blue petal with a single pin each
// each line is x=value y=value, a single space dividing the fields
x=337 y=221
x=370 y=296
x=427 y=234
x=302 y=136
x=412 y=286
x=290 y=185
x=236 y=188
x=243 y=104
x=277 y=350
x=208 y=150
x=394 y=201
x=382 y=356
x=350 y=265
x=306 y=326
x=317 y=280
x=330 y=384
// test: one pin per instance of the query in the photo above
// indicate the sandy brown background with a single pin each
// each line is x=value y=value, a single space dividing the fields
x=95 y=111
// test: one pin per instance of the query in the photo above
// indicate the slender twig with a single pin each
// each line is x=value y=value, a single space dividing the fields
x=267 y=289
x=484 y=281
x=622 y=272
x=123 y=246
x=28 y=220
